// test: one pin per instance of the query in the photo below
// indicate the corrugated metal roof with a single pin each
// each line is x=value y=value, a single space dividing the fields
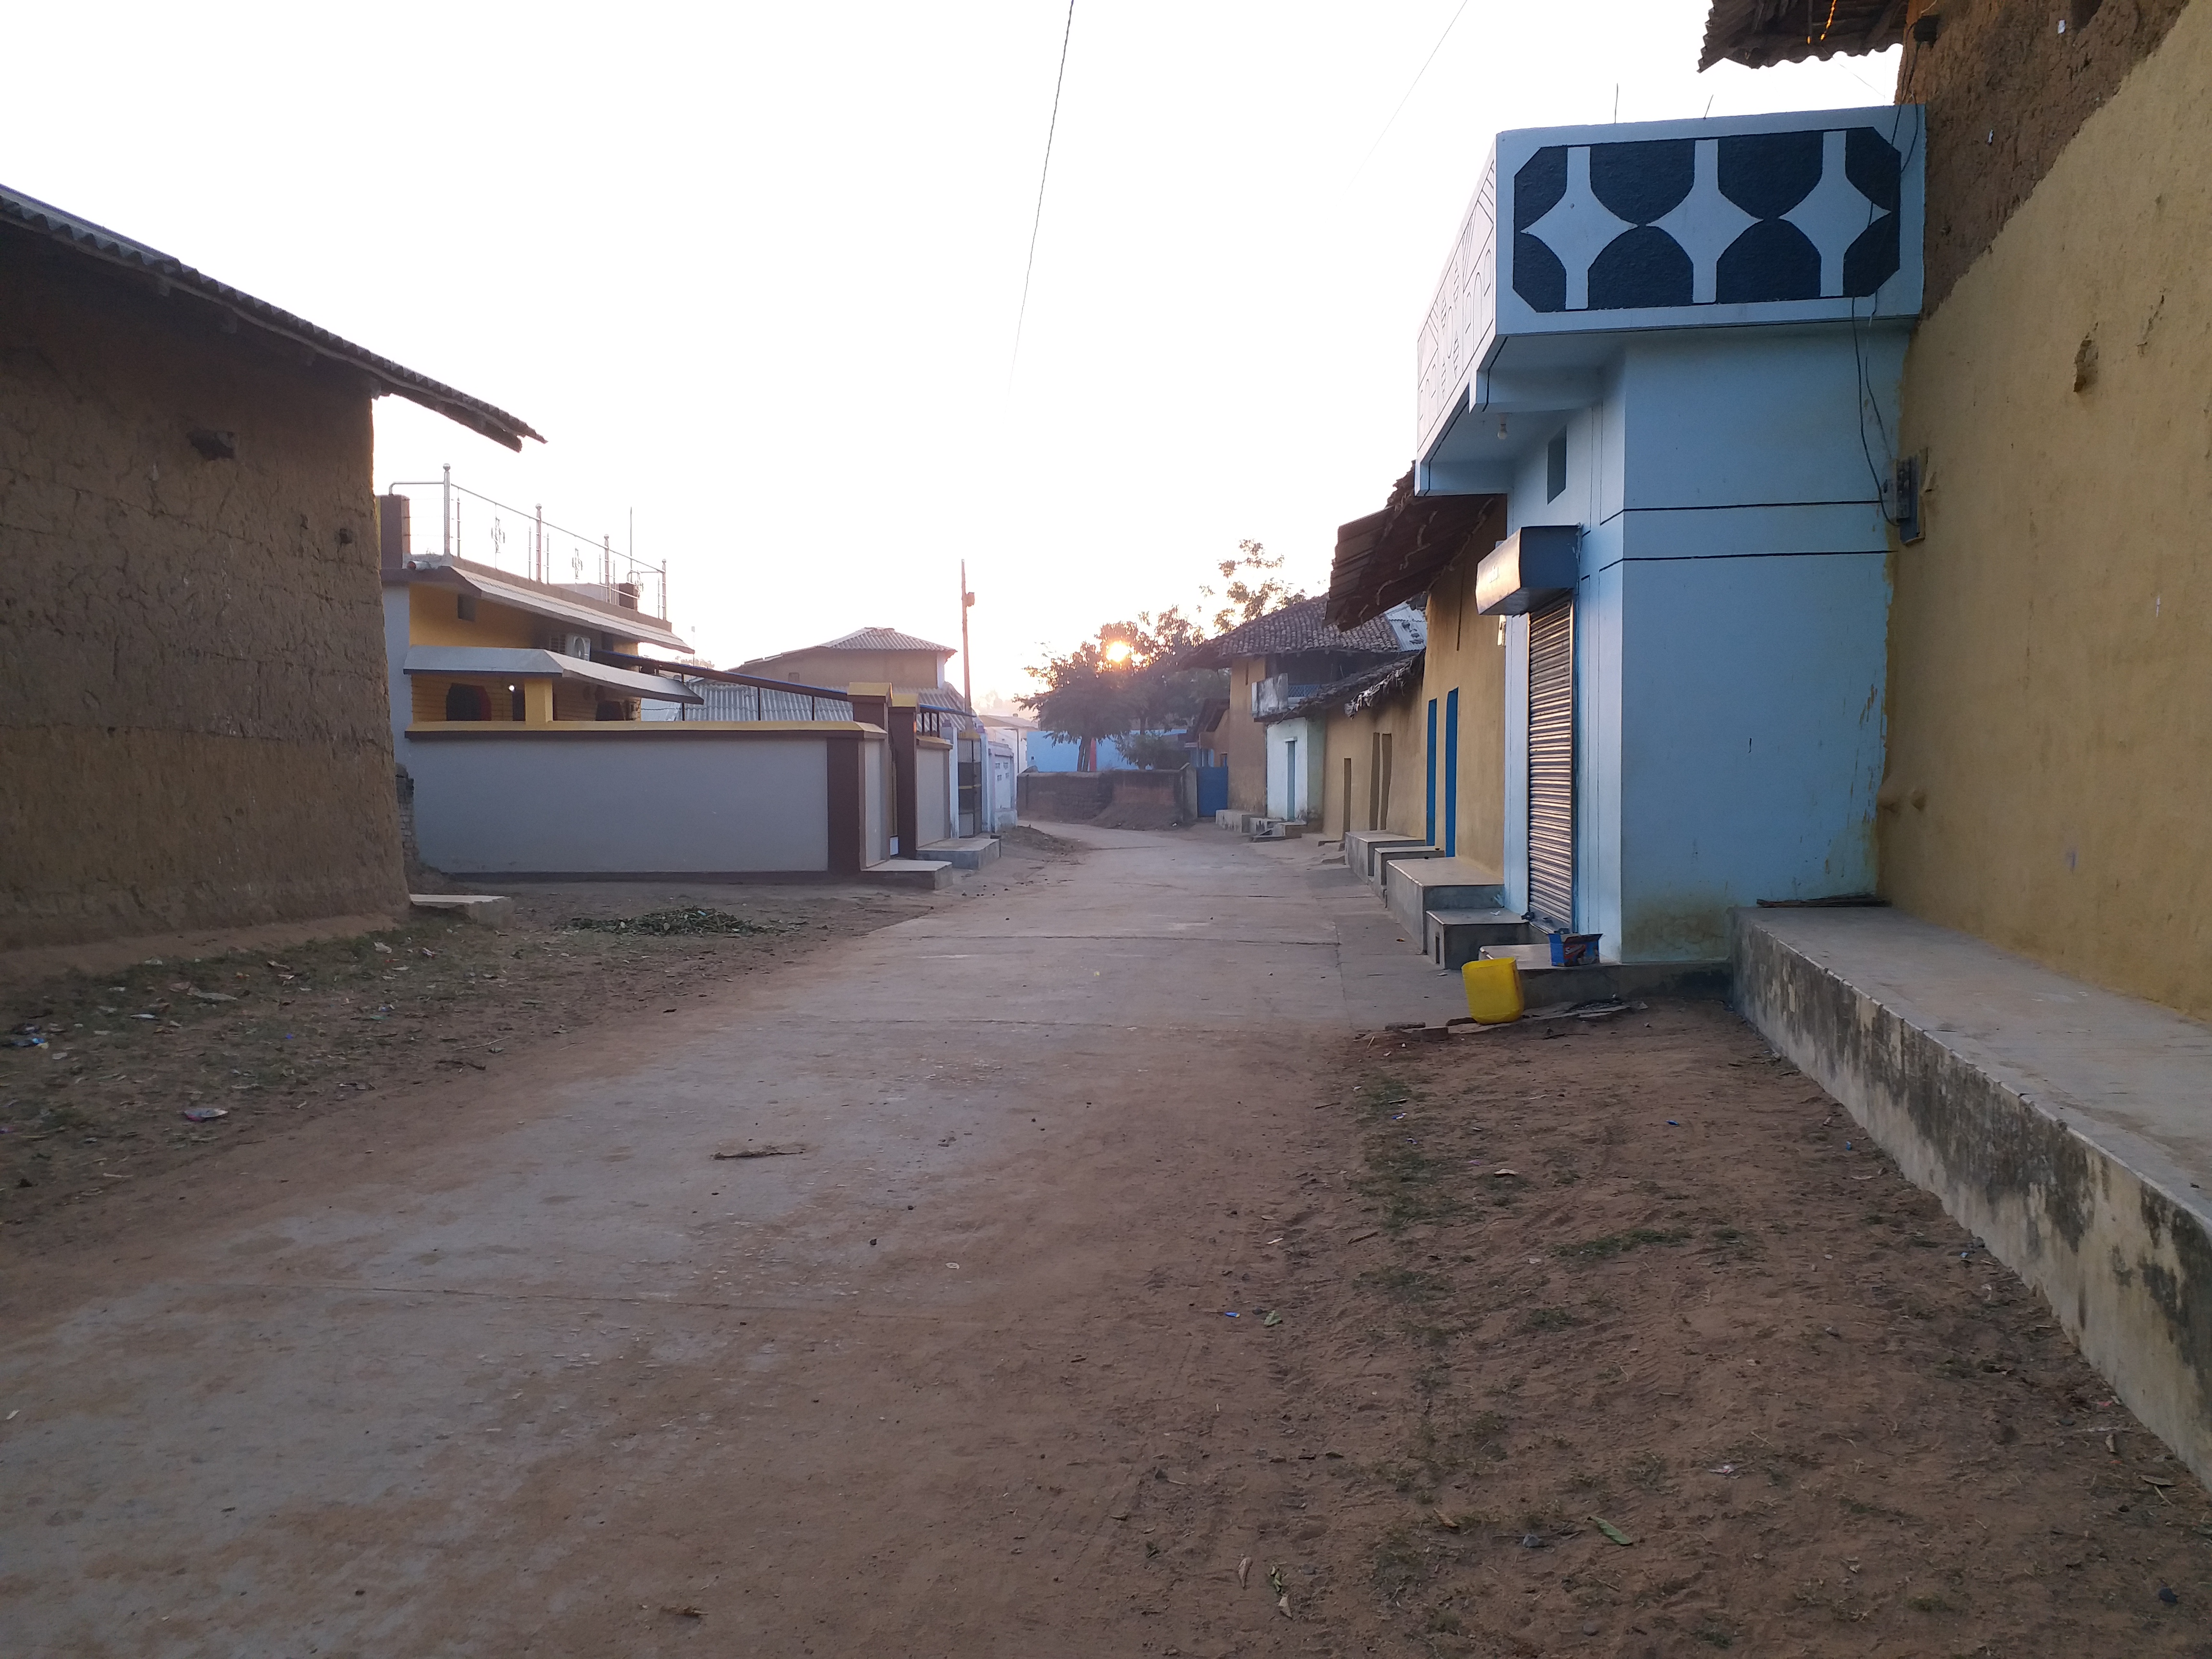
x=1396 y=554
x=875 y=639
x=81 y=236
x=1299 y=626
x=1760 y=32
x=541 y=600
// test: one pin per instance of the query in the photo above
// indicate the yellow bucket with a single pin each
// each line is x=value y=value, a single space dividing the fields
x=1494 y=990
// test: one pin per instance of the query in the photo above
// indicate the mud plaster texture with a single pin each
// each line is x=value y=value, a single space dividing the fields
x=2006 y=92
x=192 y=717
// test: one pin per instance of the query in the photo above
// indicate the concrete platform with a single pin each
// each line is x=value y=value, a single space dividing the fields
x=1382 y=857
x=923 y=875
x=1359 y=847
x=968 y=853
x=2065 y=1125
x=484 y=909
x=1412 y=887
x=1454 y=935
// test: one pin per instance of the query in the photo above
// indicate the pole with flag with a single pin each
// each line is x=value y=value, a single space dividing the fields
x=967 y=604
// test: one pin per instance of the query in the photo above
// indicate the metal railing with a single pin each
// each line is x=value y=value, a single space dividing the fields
x=525 y=541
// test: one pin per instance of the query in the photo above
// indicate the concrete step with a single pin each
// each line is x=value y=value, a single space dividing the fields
x=1382 y=857
x=1454 y=935
x=484 y=909
x=1412 y=887
x=1360 y=845
x=923 y=875
x=2062 y=1124
x=968 y=853
x=1541 y=983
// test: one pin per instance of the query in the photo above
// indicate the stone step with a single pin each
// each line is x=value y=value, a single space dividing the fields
x=968 y=853
x=922 y=875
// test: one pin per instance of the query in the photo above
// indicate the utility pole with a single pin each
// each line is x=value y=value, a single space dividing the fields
x=538 y=567
x=447 y=519
x=967 y=604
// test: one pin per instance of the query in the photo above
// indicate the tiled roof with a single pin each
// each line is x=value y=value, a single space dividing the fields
x=93 y=242
x=1758 y=33
x=876 y=639
x=1396 y=554
x=1382 y=683
x=1299 y=626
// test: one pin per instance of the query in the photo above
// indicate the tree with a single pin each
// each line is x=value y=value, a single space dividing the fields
x=1249 y=601
x=1085 y=697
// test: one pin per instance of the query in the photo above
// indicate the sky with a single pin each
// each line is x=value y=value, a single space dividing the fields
x=755 y=271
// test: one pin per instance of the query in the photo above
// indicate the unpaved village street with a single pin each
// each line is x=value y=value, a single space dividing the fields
x=1116 y=1287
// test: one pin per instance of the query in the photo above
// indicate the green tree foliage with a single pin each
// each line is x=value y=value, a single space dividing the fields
x=1248 y=600
x=1125 y=680
x=1154 y=750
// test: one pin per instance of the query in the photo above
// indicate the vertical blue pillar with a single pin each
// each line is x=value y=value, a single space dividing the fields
x=1451 y=773
x=1428 y=832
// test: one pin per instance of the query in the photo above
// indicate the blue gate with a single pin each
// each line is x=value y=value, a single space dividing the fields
x=1212 y=789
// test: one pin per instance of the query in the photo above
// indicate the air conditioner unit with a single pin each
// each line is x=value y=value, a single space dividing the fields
x=576 y=645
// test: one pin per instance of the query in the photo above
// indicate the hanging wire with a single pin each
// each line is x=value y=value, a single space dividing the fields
x=1043 y=173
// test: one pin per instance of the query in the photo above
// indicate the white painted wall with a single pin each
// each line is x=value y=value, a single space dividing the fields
x=630 y=801
x=1298 y=796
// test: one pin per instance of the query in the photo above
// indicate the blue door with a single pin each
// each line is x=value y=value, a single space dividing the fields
x=1451 y=773
x=1429 y=830
x=1212 y=790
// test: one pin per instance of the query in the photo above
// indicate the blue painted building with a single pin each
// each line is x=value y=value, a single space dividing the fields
x=1676 y=348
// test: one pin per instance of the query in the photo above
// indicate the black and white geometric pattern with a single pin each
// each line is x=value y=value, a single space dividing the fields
x=1743 y=220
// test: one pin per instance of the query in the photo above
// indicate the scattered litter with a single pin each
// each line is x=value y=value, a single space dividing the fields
x=1275 y=1580
x=33 y=1040
x=1243 y=1567
x=666 y=924
x=1446 y=1522
x=2165 y=1595
x=789 y=1150
x=1532 y=1540
x=954 y=1265
x=213 y=996
x=1277 y=1319
x=1505 y=1172
x=1728 y=1469
x=1673 y=1122
x=381 y=949
x=1613 y=1532
x=206 y=1113
x=1282 y=1601
x=686 y=1611
x=1226 y=1315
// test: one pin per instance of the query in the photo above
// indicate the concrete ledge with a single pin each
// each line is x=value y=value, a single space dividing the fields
x=1359 y=847
x=484 y=909
x=1381 y=858
x=1454 y=935
x=2064 y=1125
x=968 y=853
x=923 y=875
x=1414 y=887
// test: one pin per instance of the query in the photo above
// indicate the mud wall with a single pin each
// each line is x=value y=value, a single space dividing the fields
x=192 y=708
x=2049 y=757
x=2007 y=89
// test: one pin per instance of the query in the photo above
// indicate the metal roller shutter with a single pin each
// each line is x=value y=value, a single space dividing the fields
x=1552 y=765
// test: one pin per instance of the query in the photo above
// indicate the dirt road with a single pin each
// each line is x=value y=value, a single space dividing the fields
x=956 y=1371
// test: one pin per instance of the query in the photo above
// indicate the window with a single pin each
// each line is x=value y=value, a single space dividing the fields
x=467 y=702
x=1555 y=467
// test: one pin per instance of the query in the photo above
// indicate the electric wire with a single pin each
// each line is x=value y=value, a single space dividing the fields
x=1410 y=90
x=1043 y=173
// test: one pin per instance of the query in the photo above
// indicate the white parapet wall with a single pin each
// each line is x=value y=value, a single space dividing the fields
x=743 y=799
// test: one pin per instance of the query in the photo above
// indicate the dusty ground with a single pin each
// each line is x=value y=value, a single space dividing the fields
x=362 y=1025
x=542 y=1374
x=1645 y=1274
